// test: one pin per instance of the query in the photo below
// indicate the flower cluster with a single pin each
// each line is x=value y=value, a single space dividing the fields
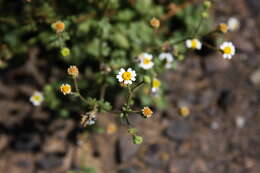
x=140 y=77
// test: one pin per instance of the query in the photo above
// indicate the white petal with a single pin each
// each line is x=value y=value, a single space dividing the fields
x=122 y=70
x=188 y=43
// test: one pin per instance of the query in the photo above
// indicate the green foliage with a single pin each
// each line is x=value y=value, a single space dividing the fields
x=100 y=37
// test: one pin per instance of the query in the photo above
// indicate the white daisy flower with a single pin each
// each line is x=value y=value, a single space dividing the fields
x=155 y=85
x=37 y=98
x=228 y=50
x=194 y=44
x=126 y=77
x=233 y=24
x=146 y=61
x=168 y=58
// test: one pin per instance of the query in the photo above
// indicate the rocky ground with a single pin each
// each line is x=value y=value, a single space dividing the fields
x=221 y=134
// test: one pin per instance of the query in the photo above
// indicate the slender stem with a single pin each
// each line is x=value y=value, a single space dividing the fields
x=106 y=7
x=129 y=96
x=134 y=111
x=78 y=92
x=127 y=121
x=137 y=86
x=182 y=40
x=131 y=91
x=210 y=46
x=198 y=27
x=103 y=91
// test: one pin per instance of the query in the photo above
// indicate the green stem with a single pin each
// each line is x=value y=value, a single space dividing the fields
x=210 y=46
x=198 y=27
x=103 y=91
x=127 y=121
x=137 y=86
x=182 y=40
x=78 y=92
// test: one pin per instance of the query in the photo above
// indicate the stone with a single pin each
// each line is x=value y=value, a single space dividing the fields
x=49 y=161
x=179 y=130
x=125 y=148
x=131 y=169
x=152 y=156
x=216 y=64
x=255 y=77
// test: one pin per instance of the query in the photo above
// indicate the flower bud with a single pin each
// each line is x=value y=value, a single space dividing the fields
x=137 y=139
x=65 y=51
x=205 y=15
x=207 y=4
x=132 y=131
x=147 y=79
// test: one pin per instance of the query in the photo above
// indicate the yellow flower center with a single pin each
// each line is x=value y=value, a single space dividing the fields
x=66 y=89
x=194 y=44
x=127 y=75
x=227 y=50
x=147 y=112
x=184 y=111
x=146 y=61
x=60 y=26
x=156 y=83
x=36 y=98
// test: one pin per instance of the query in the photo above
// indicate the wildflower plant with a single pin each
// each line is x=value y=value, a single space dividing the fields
x=110 y=48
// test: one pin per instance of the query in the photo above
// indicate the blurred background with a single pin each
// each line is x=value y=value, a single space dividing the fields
x=219 y=133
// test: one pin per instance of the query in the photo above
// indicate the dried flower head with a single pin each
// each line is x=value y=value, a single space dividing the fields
x=88 y=118
x=155 y=23
x=145 y=61
x=126 y=77
x=194 y=44
x=228 y=50
x=37 y=98
x=65 y=89
x=168 y=58
x=58 y=26
x=223 y=28
x=73 y=71
x=147 y=112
